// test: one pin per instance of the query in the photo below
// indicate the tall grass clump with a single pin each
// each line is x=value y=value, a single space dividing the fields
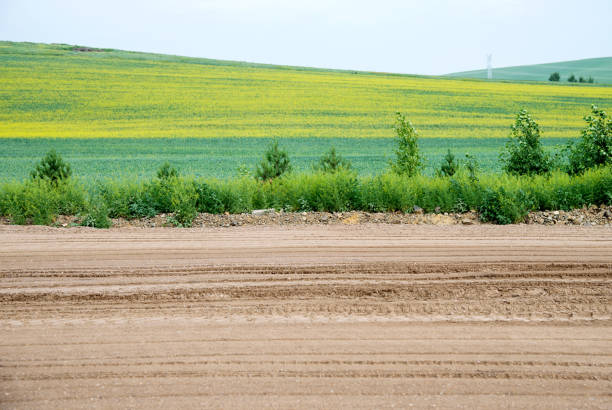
x=320 y=191
x=40 y=201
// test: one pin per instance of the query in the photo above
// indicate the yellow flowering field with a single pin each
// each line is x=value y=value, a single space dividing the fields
x=53 y=91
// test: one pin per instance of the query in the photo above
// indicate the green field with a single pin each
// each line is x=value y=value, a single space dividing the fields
x=220 y=157
x=598 y=68
x=121 y=113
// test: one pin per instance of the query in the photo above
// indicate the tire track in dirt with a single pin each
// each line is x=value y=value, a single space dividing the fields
x=302 y=317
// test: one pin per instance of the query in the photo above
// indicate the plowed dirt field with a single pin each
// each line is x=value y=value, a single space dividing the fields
x=361 y=316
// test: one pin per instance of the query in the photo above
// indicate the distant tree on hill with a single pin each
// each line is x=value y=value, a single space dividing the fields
x=581 y=79
x=572 y=78
x=590 y=80
x=554 y=77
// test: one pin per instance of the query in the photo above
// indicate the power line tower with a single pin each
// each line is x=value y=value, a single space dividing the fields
x=489 y=67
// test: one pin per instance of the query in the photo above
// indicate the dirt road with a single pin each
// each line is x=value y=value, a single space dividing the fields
x=366 y=316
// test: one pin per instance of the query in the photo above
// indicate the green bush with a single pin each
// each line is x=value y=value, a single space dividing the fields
x=502 y=207
x=52 y=168
x=449 y=165
x=554 y=77
x=524 y=154
x=183 y=199
x=274 y=164
x=595 y=145
x=207 y=199
x=572 y=78
x=34 y=202
x=408 y=160
x=166 y=171
x=332 y=162
x=96 y=216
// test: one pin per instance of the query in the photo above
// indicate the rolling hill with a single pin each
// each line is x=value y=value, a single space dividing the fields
x=598 y=68
x=111 y=111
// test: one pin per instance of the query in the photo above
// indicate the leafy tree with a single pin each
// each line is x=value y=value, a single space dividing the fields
x=449 y=165
x=274 y=164
x=595 y=145
x=52 y=168
x=332 y=162
x=572 y=78
x=581 y=79
x=167 y=171
x=554 y=77
x=524 y=154
x=408 y=160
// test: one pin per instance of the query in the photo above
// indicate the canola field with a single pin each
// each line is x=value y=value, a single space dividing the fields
x=53 y=91
x=115 y=112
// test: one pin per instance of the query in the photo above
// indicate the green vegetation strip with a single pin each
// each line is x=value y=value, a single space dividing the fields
x=221 y=157
x=500 y=198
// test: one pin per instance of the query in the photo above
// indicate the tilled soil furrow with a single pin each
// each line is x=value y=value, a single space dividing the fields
x=306 y=316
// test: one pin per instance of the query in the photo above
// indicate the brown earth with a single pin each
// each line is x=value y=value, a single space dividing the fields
x=306 y=316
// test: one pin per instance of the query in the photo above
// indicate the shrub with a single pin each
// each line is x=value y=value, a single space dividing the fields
x=449 y=165
x=472 y=167
x=96 y=216
x=183 y=202
x=52 y=168
x=332 y=162
x=166 y=171
x=524 y=154
x=34 y=201
x=408 y=161
x=572 y=78
x=274 y=164
x=554 y=77
x=502 y=207
x=207 y=199
x=595 y=145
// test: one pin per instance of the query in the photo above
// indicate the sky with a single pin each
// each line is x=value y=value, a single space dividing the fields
x=401 y=36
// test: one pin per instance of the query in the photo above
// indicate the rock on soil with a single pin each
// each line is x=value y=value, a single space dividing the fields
x=592 y=216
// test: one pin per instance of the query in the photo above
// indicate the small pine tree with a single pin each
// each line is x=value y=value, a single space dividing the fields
x=595 y=145
x=572 y=78
x=408 y=160
x=332 y=162
x=554 y=77
x=166 y=171
x=449 y=165
x=52 y=168
x=472 y=166
x=524 y=154
x=274 y=164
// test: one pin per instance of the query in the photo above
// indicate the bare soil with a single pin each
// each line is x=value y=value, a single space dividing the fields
x=306 y=316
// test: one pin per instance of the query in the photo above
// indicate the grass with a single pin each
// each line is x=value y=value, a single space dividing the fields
x=53 y=91
x=598 y=68
x=499 y=198
x=220 y=157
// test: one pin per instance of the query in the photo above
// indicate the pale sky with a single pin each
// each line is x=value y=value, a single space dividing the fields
x=403 y=36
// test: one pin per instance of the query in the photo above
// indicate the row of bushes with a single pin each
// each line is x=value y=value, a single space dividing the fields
x=499 y=198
